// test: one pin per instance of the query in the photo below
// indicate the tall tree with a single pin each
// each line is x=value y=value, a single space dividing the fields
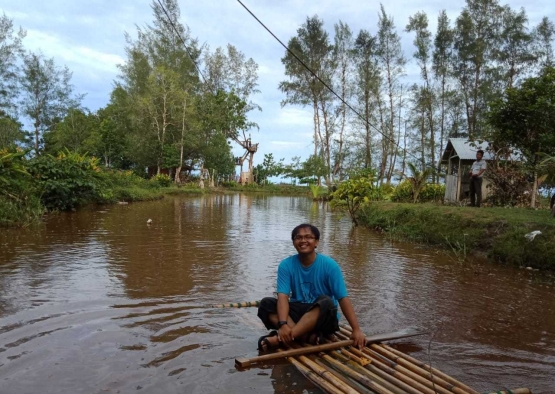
x=10 y=50
x=72 y=132
x=46 y=94
x=544 y=34
x=514 y=53
x=423 y=55
x=368 y=90
x=343 y=58
x=442 y=65
x=477 y=32
x=393 y=62
x=312 y=46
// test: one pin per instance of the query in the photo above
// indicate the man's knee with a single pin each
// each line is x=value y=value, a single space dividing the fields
x=325 y=302
x=268 y=305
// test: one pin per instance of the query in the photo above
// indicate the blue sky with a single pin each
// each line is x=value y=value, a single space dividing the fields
x=88 y=37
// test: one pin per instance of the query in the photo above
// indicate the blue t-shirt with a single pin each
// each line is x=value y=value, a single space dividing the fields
x=305 y=285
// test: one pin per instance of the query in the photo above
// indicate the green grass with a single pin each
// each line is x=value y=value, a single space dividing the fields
x=496 y=232
x=273 y=189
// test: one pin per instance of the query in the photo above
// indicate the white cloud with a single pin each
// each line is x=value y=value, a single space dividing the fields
x=292 y=116
x=72 y=55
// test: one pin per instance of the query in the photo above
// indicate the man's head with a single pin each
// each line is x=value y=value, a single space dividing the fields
x=479 y=155
x=305 y=238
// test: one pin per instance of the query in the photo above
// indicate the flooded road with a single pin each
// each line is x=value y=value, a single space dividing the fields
x=96 y=301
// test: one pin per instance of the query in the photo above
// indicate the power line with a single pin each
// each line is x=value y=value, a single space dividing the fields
x=181 y=38
x=324 y=83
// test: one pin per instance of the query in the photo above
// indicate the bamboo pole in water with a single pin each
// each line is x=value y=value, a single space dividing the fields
x=244 y=304
x=371 y=368
x=417 y=370
x=435 y=371
x=418 y=374
x=355 y=375
x=324 y=371
x=324 y=384
x=396 y=374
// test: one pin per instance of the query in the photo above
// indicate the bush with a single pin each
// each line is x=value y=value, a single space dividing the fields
x=431 y=192
x=229 y=184
x=65 y=181
x=162 y=180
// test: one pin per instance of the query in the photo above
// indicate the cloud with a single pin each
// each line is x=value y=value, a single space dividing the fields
x=84 y=56
x=292 y=116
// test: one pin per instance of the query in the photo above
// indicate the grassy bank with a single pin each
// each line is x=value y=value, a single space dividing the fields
x=495 y=232
x=290 y=190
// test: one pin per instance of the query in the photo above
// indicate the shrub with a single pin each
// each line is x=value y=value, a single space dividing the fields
x=431 y=192
x=229 y=184
x=65 y=181
x=162 y=180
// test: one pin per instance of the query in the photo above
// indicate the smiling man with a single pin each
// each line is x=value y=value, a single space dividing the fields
x=310 y=286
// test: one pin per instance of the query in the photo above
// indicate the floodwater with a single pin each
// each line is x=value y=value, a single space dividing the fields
x=96 y=301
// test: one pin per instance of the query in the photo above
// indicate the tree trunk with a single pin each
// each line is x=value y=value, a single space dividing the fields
x=534 y=190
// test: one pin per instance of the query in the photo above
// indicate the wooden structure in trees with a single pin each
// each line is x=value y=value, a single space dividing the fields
x=459 y=154
x=246 y=177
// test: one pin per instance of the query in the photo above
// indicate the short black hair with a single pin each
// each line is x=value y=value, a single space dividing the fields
x=481 y=152
x=312 y=228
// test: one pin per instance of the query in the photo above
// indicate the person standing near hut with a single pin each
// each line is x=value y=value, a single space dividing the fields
x=310 y=286
x=476 y=173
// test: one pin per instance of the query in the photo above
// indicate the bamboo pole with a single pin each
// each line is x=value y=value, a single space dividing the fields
x=245 y=304
x=413 y=368
x=513 y=391
x=314 y=378
x=357 y=386
x=398 y=375
x=435 y=371
x=370 y=368
x=326 y=374
x=418 y=374
x=246 y=362
x=355 y=375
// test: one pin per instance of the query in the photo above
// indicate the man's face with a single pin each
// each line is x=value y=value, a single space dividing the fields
x=479 y=156
x=305 y=242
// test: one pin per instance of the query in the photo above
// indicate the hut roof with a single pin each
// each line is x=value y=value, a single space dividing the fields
x=466 y=150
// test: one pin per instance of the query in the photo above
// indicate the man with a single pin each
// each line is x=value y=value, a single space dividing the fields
x=478 y=169
x=309 y=288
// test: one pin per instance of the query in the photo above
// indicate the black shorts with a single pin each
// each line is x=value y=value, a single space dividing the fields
x=327 y=319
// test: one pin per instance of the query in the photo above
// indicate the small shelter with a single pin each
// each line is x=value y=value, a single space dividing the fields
x=459 y=155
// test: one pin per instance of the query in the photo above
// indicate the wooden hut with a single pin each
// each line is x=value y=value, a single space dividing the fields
x=459 y=155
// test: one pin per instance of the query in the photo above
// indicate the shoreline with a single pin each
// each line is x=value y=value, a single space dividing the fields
x=497 y=233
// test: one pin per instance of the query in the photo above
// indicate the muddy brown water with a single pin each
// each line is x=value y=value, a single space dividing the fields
x=96 y=301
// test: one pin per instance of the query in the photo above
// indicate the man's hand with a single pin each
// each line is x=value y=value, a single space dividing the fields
x=359 y=338
x=284 y=334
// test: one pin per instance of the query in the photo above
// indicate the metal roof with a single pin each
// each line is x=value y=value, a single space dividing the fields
x=466 y=150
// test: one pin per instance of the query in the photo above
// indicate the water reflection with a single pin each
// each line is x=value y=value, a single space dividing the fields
x=98 y=301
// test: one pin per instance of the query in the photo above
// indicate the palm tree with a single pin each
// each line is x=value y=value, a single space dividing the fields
x=418 y=179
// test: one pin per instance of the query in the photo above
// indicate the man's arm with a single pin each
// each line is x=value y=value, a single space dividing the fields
x=349 y=312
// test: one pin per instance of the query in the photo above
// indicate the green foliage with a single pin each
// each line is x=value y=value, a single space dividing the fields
x=354 y=192
x=162 y=180
x=417 y=179
x=430 y=192
x=65 y=181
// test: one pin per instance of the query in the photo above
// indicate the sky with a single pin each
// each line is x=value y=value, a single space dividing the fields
x=89 y=38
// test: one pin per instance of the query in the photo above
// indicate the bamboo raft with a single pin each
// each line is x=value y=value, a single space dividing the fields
x=339 y=368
